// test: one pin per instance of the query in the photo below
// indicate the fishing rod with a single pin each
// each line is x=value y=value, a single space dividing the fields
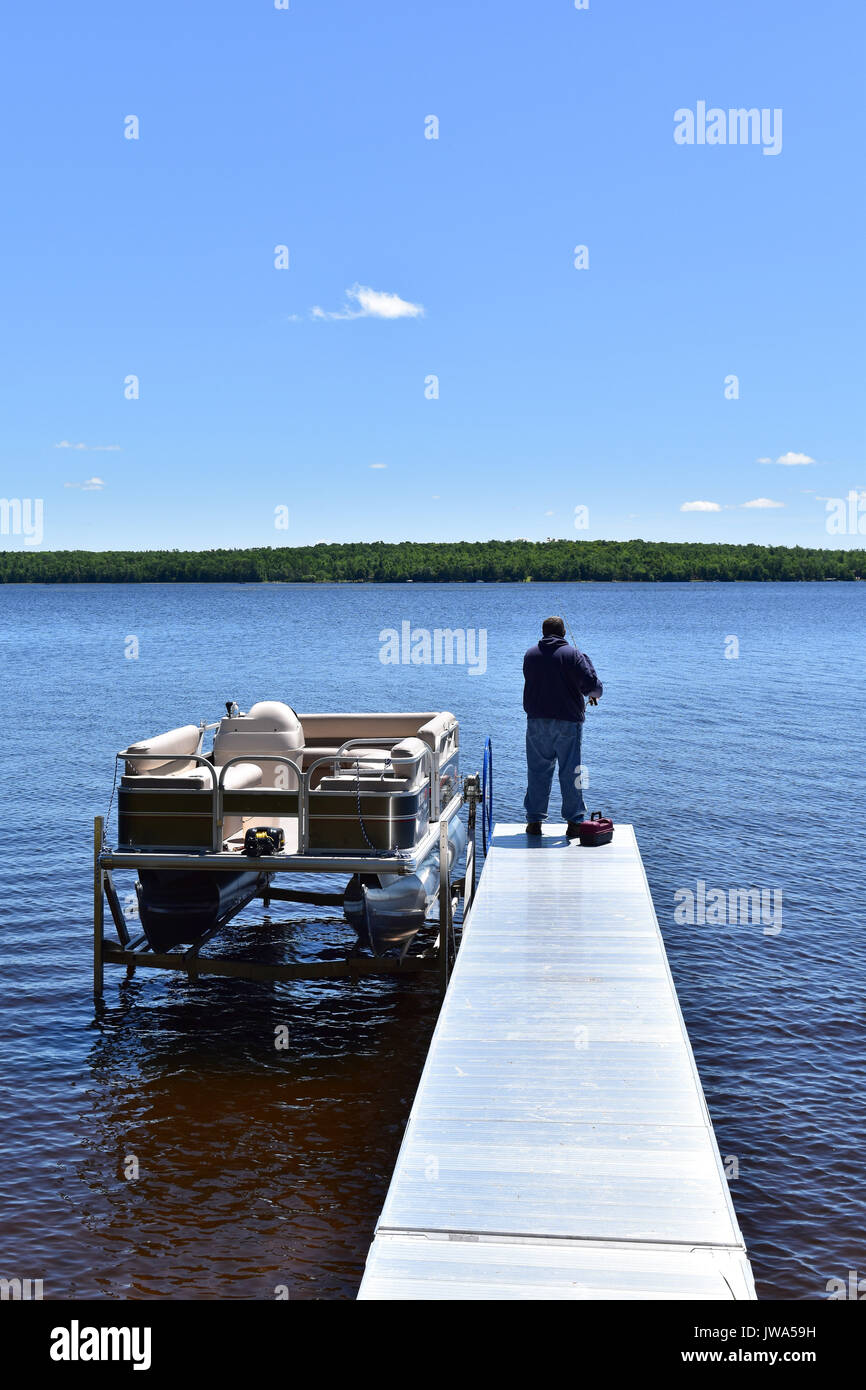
x=591 y=700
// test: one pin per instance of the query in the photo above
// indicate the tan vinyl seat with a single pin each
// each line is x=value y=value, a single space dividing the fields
x=195 y=779
x=432 y=726
x=167 y=753
x=371 y=759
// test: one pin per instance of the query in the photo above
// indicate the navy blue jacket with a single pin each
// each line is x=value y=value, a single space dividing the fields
x=556 y=679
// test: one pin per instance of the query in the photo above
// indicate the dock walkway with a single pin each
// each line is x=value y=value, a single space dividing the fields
x=559 y=1145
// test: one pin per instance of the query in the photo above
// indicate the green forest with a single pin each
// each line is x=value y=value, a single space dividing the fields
x=437 y=562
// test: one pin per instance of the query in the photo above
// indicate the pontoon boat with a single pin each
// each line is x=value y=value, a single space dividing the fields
x=321 y=793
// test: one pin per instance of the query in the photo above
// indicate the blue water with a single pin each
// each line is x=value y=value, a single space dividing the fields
x=259 y=1168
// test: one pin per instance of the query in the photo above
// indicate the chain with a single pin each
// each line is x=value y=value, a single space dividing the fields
x=108 y=812
x=370 y=844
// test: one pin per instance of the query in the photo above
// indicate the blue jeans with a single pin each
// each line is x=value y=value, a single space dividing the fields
x=551 y=741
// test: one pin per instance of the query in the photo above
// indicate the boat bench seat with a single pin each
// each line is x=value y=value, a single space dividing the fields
x=168 y=752
x=310 y=755
x=389 y=784
x=194 y=778
x=374 y=756
x=432 y=727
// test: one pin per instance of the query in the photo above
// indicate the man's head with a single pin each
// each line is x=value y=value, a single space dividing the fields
x=553 y=627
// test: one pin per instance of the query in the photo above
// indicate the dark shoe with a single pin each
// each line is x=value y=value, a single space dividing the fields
x=534 y=827
x=572 y=830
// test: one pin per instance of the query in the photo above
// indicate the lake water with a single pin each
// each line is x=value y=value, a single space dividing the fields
x=260 y=1168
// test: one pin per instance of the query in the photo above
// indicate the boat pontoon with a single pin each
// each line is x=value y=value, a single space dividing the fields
x=320 y=793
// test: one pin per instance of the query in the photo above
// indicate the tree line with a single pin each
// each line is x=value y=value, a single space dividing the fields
x=378 y=562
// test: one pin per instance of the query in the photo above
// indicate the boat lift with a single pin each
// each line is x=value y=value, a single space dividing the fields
x=133 y=952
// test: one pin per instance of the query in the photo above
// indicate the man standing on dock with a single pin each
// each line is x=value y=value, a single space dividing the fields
x=558 y=679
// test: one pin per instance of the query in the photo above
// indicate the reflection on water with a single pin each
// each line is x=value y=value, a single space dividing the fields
x=274 y=1158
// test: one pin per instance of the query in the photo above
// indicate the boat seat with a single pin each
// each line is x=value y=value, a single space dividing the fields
x=349 y=782
x=365 y=754
x=194 y=779
x=374 y=756
x=437 y=731
x=168 y=752
x=377 y=757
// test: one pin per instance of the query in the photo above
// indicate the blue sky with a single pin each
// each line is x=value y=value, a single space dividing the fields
x=558 y=387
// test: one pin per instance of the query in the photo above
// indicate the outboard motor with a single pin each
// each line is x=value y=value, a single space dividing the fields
x=388 y=909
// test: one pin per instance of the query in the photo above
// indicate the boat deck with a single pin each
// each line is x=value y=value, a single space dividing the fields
x=559 y=1145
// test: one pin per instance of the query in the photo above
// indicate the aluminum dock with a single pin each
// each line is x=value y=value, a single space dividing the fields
x=559 y=1145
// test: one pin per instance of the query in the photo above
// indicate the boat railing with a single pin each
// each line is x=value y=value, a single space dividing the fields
x=202 y=758
x=431 y=759
x=302 y=779
x=256 y=758
x=341 y=756
x=431 y=762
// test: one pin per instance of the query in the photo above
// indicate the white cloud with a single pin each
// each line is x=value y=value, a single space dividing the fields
x=365 y=303
x=700 y=507
x=550 y=513
x=790 y=459
x=89 y=448
x=762 y=502
x=378 y=465
x=89 y=485
x=764 y=460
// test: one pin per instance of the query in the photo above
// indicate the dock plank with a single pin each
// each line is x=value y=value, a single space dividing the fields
x=559 y=1145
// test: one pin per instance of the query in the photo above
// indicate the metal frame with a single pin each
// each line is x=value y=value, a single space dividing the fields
x=133 y=954
x=432 y=772
x=301 y=791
